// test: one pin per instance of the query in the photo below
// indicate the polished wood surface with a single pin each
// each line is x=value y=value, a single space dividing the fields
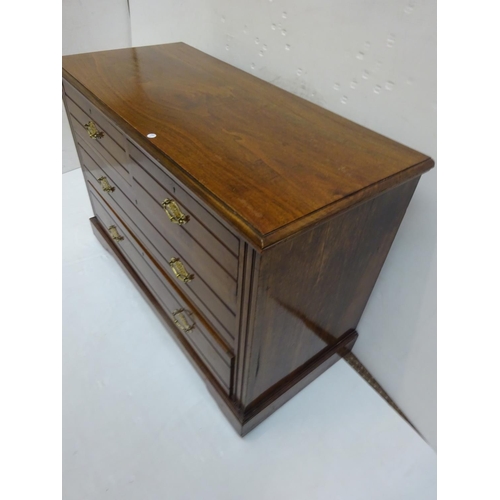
x=202 y=225
x=269 y=162
x=93 y=162
x=291 y=210
x=213 y=386
x=150 y=191
x=215 y=355
x=111 y=140
x=111 y=146
x=242 y=423
x=313 y=288
x=214 y=310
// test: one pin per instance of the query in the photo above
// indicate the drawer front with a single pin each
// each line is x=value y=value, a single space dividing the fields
x=111 y=145
x=194 y=244
x=93 y=161
x=201 y=254
x=214 y=354
x=214 y=310
x=202 y=225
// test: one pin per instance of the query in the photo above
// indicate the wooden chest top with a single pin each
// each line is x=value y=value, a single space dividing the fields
x=266 y=160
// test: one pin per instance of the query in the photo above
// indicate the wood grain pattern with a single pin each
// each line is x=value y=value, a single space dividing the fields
x=313 y=288
x=93 y=161
x=84 y=111
x=216 y=312
x=213 y=386
x=269 y=162
x=202 y=217
x=293 y=211
x=242 y=422
x=149 y=195
x=205 y=257
x=214 y=354
x=248 y=292
x=114 y=154
x=93 y=113
x=113 y=143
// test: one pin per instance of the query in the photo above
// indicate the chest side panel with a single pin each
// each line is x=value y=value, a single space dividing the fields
x=313 y=288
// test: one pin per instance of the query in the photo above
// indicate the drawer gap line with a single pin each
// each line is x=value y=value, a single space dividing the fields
x=91 y=118
x=198 y=352
x=146 y=239
x=190 y=264
x=191 y=215
x=104 y=160
x=190 y=235
x=227 y=347
x=102 y=145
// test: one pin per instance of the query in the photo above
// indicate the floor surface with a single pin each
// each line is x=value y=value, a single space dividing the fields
x=139 y=424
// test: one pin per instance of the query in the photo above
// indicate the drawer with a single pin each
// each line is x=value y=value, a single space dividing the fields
x=154 y=186
x=215 y=311
x=214 y=353
x=111 y=145
x=93 y=161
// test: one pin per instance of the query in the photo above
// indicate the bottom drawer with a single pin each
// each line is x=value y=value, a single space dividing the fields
x=216 y=356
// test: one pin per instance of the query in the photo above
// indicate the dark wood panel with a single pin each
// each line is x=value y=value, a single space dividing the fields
x=106 y=143
x=292 y=212
x=199 y=337
x=202 y=262
x=189 y=237
x=314 y=287
x=104 y=159
x=208 y=304
x=176 y=243
x=242 y=423
x=94 y=162
x=218 y=392
x=249 y=273
x=173 y=299
x=204 y=226
x=94 y=114
x=268 y=161
x=199 y=289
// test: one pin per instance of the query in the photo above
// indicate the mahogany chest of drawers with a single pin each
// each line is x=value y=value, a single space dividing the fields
x=254 y=223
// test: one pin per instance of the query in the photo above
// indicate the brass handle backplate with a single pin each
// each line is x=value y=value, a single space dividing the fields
x=114 y=233
x=93 y=131
x=179 y=270
x=106 y=186
x=181 y=321
x=174 y=212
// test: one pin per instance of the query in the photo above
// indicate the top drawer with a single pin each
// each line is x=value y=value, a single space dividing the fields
x=97 y=131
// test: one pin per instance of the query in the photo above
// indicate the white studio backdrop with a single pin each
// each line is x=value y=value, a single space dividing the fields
x=86 y=27
x=371 y=62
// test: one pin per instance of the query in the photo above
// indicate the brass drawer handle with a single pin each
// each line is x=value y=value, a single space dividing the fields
x=106 y=186
x=93 y=131
x=174 y=212
x=179 y=270
x=181 y=321
x=114 y=233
